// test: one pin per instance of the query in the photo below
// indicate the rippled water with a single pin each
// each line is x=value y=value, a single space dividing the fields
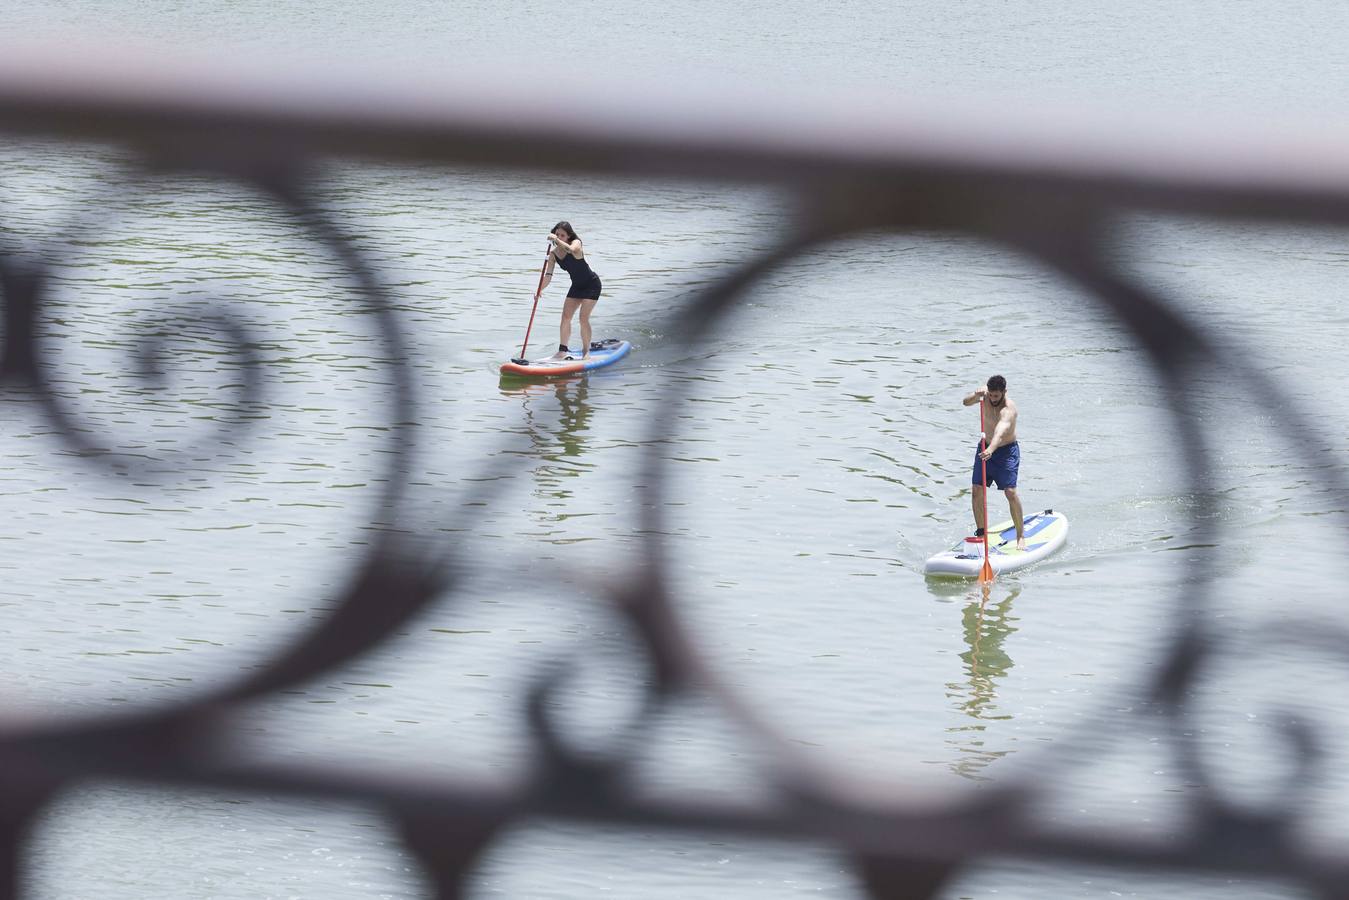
x=821 y=454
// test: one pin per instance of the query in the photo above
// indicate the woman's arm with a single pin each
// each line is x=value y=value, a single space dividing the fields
x=574 y=248
x=547 y=272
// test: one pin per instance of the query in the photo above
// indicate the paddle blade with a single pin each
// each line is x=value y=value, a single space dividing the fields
x=986 y=570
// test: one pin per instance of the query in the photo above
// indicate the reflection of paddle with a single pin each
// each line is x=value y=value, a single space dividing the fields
x=521 y=361
x=985 y=571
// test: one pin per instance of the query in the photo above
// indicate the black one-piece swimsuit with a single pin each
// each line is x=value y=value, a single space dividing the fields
x=585 y=284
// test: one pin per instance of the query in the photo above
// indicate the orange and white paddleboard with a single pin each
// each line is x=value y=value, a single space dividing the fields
x=602 y=353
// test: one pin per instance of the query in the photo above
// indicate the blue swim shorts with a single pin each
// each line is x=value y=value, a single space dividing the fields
x=1002 y=467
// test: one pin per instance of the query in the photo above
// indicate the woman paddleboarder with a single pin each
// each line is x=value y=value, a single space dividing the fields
x=584 y=292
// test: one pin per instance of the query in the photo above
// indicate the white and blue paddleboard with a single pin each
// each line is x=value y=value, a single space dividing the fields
x=1045 y=532
x=602 y=353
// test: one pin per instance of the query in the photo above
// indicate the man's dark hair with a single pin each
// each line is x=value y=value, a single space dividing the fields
x=997 y=383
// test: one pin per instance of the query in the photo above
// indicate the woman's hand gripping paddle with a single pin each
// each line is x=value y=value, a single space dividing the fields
x=521 y=361
x=986 y=570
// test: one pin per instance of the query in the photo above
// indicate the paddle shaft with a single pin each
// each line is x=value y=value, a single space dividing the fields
x=537 y=292
x=985 y=573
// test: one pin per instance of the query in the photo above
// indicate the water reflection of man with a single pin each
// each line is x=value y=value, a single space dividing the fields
x=986 y=625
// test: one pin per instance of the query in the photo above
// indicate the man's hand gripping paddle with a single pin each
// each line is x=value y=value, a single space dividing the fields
x=521 y=361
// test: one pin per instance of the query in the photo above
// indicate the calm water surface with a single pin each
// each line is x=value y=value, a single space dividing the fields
x=822 y=453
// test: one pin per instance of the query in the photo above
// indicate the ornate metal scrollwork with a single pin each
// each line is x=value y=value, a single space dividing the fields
x=1061 y=217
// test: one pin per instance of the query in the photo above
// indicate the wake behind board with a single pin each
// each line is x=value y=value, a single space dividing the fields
x=602 y=353
x=1046 y=532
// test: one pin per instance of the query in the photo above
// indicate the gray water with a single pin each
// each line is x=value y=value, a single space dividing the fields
x=822 y=455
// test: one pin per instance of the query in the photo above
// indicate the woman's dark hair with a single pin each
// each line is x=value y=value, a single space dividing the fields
x=996 y=383
x=571 y=235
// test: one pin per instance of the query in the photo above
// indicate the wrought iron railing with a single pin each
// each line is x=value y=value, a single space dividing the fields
x=1056 y=193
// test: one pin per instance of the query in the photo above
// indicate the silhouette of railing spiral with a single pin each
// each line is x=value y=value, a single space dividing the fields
x=1055 y=196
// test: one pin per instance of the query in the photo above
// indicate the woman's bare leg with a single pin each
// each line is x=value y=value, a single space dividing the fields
x=569 y=307
x=586 y=307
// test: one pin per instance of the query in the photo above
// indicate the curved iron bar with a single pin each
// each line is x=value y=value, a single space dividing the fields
x=1046 y=202
x=37 y=364
x=1223 y=829
x=400 y=575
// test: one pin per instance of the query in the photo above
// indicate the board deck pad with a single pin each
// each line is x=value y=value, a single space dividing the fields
x=602 y=353
x=1045 y=533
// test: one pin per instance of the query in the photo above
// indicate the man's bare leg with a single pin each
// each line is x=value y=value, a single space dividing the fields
x=1014 y=504
x=977 y=502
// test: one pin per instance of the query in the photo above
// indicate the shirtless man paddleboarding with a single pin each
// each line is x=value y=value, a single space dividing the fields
x=999 y=452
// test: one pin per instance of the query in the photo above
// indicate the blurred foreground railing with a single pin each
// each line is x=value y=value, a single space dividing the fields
x=1053 y=190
